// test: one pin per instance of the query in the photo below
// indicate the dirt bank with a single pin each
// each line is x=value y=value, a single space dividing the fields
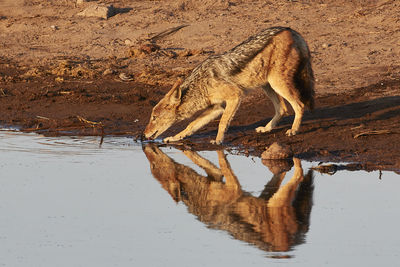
x=361 y=125
x=61 y=73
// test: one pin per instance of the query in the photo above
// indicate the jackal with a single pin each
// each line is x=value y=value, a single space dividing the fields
x=276 y=220
x=277 y=60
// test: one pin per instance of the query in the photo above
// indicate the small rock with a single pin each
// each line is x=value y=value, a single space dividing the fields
x=136 y=52
x=80 y=2
x=54 y=27
x=277 y=166
x=277 y=151
x=325 y=45
x=143 y=50
x=128 y=42
x=148 y=48
x=99 y=11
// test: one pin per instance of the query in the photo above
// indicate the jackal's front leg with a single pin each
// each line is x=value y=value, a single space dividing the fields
x=207 y=116
x=230 y=110
x=212 y=171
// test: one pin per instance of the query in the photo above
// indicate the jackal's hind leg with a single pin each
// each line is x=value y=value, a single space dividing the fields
x=280 y=110
x=288 y=91
x=207 y=116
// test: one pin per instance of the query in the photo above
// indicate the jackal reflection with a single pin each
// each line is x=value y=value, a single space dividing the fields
x=275 y=221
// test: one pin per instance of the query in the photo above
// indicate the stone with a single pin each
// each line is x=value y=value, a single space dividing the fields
x=80 y=2
x=325 y=45
x=99 y=11
x=149 y=48
x=277 y=166
x=128 y=42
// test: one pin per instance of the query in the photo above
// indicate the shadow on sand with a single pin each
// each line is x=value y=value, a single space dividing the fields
x=383 y=108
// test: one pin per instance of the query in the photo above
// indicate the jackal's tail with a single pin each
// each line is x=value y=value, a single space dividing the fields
x=304 y=80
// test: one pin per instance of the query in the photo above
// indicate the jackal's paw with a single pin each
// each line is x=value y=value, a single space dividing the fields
x=263 y=129
x=171 y=139
x=291 y=132
x=215 y=142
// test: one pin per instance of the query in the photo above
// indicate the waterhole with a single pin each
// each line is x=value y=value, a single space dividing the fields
x=76 y=201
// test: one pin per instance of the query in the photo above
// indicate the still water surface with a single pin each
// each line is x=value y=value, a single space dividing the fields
x=70 y=202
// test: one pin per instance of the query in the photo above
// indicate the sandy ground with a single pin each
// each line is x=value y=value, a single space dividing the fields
x=60 y=71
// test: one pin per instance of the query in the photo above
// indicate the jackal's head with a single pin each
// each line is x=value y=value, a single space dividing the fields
x=164 y=114
x=164 y=169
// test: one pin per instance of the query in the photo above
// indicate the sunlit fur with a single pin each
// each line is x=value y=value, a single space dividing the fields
x=164 y=113
x=276 y=60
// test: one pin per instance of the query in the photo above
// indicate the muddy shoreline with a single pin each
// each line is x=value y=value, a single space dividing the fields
x=66 y=74
x=360 y=126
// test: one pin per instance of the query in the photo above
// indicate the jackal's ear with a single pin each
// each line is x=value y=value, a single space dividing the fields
x=175 y=93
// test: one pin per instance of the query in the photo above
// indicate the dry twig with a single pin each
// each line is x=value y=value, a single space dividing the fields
x=92 y=123
x=372 y=132
x=42 y=117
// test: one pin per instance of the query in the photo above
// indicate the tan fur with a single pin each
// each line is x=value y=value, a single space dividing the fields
x=269 y=221
x=277 y=60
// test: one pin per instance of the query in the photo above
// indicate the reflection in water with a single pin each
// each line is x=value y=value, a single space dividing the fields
x=275 y=221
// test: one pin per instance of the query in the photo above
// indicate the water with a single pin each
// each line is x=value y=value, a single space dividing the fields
x=70 y=202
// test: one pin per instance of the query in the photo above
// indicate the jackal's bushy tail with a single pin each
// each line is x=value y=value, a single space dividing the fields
x=304 y=80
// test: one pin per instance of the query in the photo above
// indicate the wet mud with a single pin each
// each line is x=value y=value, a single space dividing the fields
x=359 y=126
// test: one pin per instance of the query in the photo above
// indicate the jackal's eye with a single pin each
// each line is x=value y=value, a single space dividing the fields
x=154 y=118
